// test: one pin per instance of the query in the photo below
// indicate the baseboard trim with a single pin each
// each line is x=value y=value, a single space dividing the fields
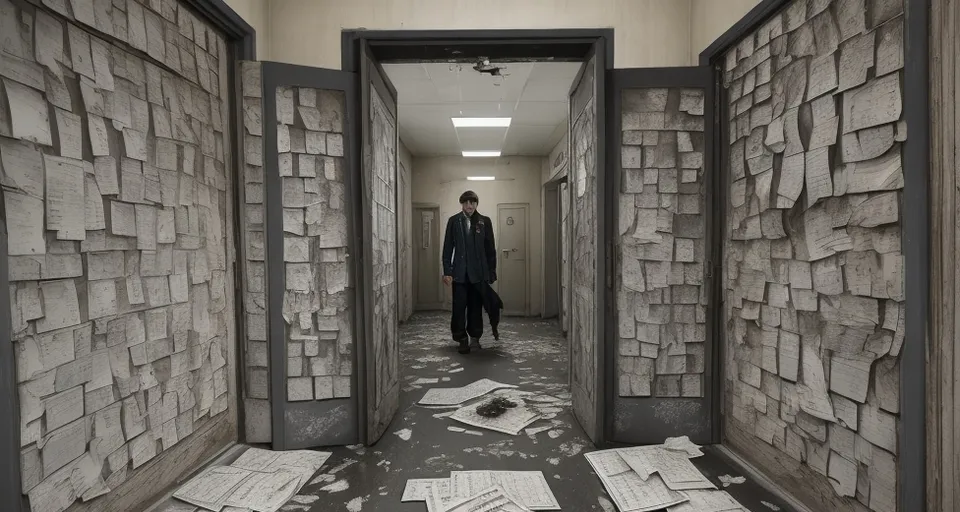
x=756 y=475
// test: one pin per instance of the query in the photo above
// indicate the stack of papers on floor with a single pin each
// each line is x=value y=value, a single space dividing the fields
x=512 y=421
x=259 y=480
x=501 y=491
x=647 y=478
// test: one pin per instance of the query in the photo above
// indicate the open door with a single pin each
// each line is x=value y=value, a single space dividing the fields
x=663 y=301
x=308 y=247
x=588 y=248
x=380 y=291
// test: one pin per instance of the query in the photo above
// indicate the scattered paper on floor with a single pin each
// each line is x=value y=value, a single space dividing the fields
x=419 y=489
x=512 y=421
x=457 y=396
x=305 y=463
x=259 y=480
x=530 y=488
x=494 y=499
x=676 y=470
x=709 y=501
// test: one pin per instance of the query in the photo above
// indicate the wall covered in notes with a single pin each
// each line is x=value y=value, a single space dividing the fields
x=256 y=391
x=116 y=198
x=661 y=297
x=317 y=301
x=813 y=264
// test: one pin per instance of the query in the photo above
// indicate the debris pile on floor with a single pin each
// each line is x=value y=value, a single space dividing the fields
x=648 y=478
x=504 y=491
x=510 y=412
x=259 y=481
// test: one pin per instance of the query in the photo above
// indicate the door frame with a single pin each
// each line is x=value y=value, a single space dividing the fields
x=916 y=220
x=416 y=271
x=550 y=269
x=559 y=45
x=526 y=249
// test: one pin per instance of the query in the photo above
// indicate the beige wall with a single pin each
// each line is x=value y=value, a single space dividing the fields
x=256 y=13
x=442 y=180
x=648 y=32
x=709 y=19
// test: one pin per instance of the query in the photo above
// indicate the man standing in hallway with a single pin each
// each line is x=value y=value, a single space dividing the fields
x=469 y=265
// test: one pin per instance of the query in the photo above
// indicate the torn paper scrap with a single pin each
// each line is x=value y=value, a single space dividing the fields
x=676 y=470
x=494 y=499
x=727 y=480
x=419 y=489
x=457 y=396
x=683 y=444
x=512 y=421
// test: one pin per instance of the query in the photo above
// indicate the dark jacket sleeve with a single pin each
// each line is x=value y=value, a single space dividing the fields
x=491 y=249
x=448 y=241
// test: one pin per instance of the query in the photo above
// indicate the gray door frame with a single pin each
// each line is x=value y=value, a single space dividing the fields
x=551 y=303
x=526 y=252
x=416 y=268
x=636 y=419
x=343 y=431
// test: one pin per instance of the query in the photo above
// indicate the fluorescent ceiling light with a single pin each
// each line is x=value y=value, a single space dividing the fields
x=481 y=178
x=481 y=122
x=480 y=154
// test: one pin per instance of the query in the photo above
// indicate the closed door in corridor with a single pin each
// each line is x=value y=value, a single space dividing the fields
x=512 y=257
x=427 y=270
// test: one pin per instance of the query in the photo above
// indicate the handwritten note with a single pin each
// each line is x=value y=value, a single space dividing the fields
x=419 y=489
x=65 y=204
x=607 y=462
x=29 y=117
x=24 y=224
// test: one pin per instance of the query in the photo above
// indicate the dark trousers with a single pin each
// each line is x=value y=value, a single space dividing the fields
x=467 y=318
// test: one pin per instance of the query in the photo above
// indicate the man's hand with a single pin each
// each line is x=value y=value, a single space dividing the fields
x=447 y=280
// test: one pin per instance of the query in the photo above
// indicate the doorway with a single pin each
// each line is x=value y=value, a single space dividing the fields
x=427 y=271
x=513 y=263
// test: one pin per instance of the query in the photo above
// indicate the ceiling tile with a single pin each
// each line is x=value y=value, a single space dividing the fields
x=533 y=94
x=540 y=113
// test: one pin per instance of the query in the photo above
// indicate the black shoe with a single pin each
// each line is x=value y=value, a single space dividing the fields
x=464 y=348
x=475 y=344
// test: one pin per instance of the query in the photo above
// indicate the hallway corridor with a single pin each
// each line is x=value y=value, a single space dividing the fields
x=531 y=355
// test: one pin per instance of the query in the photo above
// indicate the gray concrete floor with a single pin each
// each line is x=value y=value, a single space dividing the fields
x=531 y=355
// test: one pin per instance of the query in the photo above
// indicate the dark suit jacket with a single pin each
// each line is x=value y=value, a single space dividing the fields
x=455 y=247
